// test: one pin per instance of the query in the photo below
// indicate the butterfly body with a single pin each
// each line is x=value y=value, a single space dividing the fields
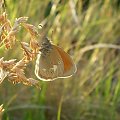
x=45 y=47
x=52 y=62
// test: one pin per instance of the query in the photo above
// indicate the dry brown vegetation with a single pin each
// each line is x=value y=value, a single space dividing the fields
x=14 y=71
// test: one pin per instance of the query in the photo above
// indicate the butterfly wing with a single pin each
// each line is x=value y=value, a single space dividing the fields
x=49 y=67
x=69 y=66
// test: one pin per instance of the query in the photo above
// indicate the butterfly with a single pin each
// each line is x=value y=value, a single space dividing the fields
x=53 y=62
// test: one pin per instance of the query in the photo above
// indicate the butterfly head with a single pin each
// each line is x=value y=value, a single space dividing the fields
x=45 y=47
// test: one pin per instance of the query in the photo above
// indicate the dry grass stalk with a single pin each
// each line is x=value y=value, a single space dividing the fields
x=11 y=69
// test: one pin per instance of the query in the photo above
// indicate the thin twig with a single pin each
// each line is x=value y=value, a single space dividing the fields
x=95 y=46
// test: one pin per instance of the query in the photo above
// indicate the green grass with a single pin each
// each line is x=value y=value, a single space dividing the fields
x=93 y=93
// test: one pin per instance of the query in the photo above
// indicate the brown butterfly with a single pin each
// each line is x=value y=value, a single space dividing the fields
x=52 y=62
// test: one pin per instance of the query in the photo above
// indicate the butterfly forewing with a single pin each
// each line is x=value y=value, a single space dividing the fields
x=49 y=67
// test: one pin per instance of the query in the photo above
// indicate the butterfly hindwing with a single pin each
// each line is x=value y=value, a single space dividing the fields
x=49 y=67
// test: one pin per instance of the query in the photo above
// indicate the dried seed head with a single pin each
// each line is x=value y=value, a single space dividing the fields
x=11 y=69
x=3 y=75
x=31 y=29
x=27 y=51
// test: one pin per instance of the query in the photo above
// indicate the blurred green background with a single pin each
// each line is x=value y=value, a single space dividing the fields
x=93 y=93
